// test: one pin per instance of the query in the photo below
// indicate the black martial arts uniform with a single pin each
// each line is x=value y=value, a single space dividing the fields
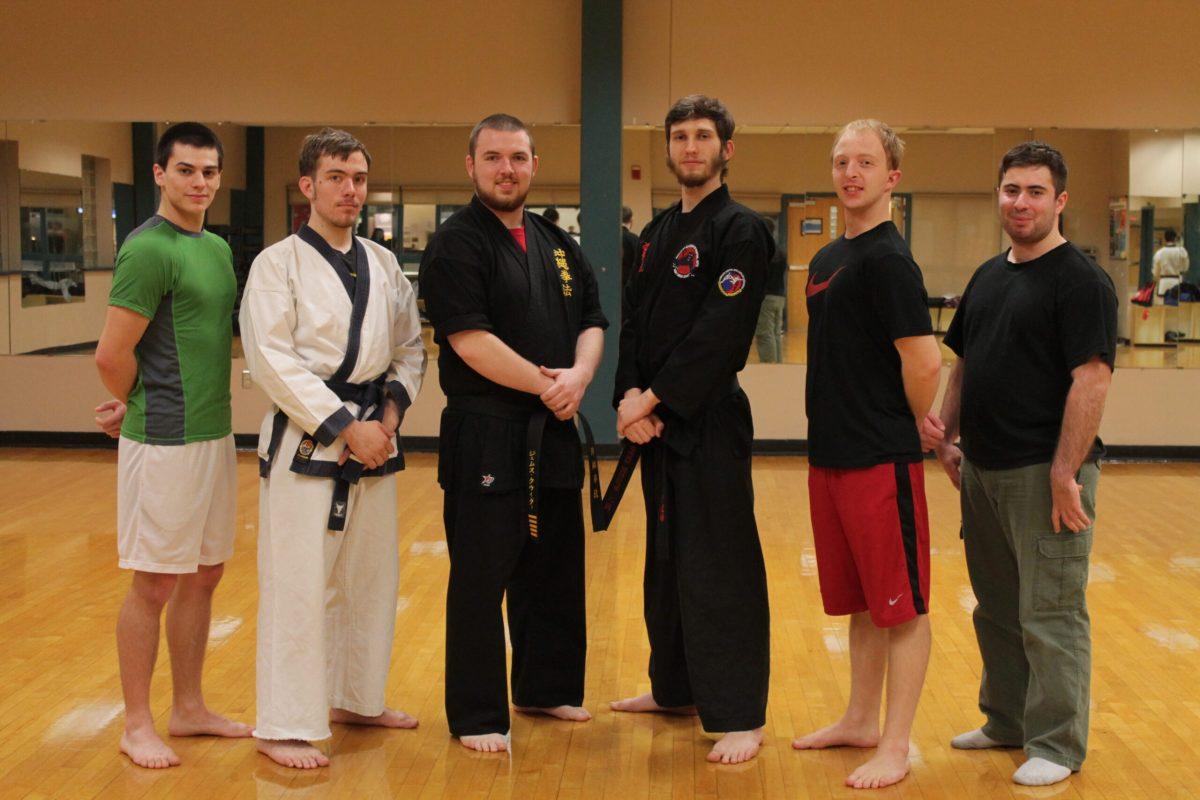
x=689 y=315
x=474 y=276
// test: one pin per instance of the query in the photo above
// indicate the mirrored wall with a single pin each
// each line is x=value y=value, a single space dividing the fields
x=67 y=197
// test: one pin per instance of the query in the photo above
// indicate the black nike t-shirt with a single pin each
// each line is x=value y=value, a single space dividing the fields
x=1021 y=329
x=863 y=294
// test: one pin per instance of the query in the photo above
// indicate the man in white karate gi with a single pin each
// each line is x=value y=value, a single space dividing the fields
x=330 y=330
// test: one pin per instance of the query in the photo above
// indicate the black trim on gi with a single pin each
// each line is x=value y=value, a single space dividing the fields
x=278 y=426
x=397 y=392
x=908 y=534
x=333 y=426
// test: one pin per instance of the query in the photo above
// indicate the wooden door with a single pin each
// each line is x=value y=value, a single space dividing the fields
x=826 y=221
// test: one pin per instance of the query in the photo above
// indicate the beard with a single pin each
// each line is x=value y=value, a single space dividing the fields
x=715 y=166
x=498 y=203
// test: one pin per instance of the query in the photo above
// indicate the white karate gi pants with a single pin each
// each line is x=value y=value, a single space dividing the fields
x=327 y=599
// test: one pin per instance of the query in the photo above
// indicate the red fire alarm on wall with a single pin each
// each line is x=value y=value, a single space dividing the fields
x=635 y=172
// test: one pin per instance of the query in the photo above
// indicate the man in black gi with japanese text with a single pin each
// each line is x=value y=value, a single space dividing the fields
x=516 y=314
x=689 y=314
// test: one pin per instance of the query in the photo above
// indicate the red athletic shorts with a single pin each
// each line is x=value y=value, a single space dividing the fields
x=871 y=529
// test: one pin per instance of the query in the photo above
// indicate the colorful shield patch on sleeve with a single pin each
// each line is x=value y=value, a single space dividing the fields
x=686 y=262
x=731 y=282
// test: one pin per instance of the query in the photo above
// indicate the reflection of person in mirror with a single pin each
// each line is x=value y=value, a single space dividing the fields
x=165 y=355
x=331 y=335
x=1036 y=338
x=873 y=372
x=1170 y=266
x=769 y=333
x=688 y=320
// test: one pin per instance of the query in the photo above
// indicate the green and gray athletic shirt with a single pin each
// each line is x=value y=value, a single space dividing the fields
x=184 y=283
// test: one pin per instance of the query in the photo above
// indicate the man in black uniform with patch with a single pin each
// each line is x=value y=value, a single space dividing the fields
x=516 y=313
x=689 y=315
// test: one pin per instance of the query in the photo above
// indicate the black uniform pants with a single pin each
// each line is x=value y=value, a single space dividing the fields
x=706 y=607
x=491 y=555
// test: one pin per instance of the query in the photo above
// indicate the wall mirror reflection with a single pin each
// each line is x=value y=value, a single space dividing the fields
x=1128 y=191
x=52 y=239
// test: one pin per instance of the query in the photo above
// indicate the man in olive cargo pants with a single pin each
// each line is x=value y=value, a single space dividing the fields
x=1035 y=336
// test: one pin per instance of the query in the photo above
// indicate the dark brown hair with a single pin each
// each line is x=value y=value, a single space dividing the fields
x=328 y=142
x=498 y=122
x=189 y=133
x=1036 y=154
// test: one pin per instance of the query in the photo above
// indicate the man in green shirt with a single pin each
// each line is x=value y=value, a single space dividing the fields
x=165 y=355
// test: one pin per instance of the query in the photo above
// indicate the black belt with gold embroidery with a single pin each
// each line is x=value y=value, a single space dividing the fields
x=535 y=420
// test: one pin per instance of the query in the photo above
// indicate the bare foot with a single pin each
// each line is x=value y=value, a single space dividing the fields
x=486 y=742
x=736 y=746
x=840 y=734
x=889 y=766
x=206 y=723
x=645 y=702
x=146 y=749
x=294 y=753
x=569 y=713
x=388 y=719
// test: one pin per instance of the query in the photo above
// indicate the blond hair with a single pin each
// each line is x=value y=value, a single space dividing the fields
x=893 y=145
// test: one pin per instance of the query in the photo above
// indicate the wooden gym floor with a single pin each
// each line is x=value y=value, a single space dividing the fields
x=60 y=702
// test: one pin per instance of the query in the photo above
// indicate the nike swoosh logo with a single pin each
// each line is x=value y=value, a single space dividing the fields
x=814 y=288
x=892 y=601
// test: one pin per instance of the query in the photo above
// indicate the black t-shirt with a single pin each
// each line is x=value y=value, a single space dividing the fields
x=1021 y=329
x=691 y=306
x=474 y=276
x=863 y=294
x=777 y=274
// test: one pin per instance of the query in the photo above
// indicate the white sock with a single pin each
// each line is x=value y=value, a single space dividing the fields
x=974 y=740
x=1040 y=772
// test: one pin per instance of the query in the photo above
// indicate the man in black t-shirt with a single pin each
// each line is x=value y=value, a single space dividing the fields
x=516 y=313
x=1035 y=336
x=688 y=318
x=873 y=369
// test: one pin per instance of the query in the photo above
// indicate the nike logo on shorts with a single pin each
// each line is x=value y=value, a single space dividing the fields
x=814 y=288
x=893 y=600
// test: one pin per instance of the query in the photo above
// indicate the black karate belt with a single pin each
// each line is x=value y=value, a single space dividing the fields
x=533 y=448
x=626 y=462
x=535 y=427
x=278 y=426
x=366 y=396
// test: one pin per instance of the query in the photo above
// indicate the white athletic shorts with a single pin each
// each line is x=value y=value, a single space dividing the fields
x=175 y=504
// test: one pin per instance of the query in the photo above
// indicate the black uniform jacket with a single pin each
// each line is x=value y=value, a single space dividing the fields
x=473 y=276
x=692 y=304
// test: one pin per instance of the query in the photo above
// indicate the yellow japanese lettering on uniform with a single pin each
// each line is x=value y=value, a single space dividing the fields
x=564 y=270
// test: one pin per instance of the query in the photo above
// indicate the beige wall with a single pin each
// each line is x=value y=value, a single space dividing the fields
x=1145 y=407
x=939 y=62
x=777 y=62
x=636 y=149
x=57 y=145
x=233 y=174
x=39 y=327
x=279 y=62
